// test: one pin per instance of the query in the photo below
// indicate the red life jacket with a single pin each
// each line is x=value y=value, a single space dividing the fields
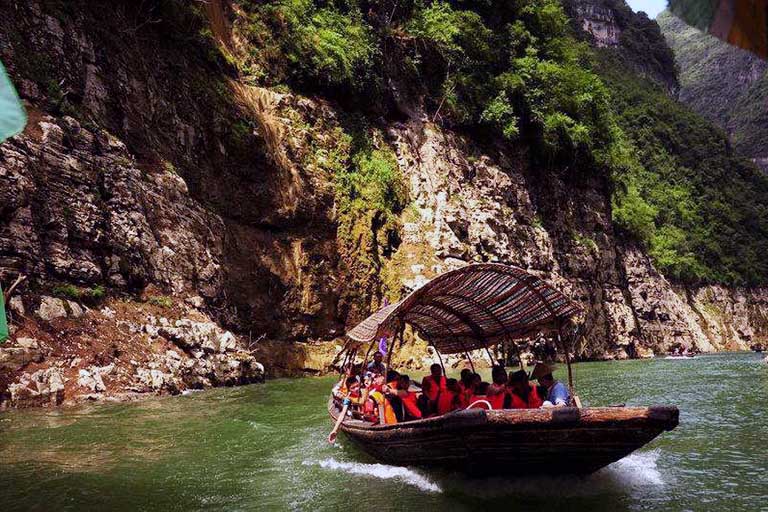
x=445 y=402
x=496 y=399
x=409 y=402
x=465 y=397
x=533 y=401
x=432 y=387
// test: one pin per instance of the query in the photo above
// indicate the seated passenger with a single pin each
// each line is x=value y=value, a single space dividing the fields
x=465 y=381
x=350 y=370
x=390 y=390
x=465 y=385
x=497 y=390
x=557 y=393
x=383 y=411
x=479 y=400
x=448 y=399
x=407 y=398
x=434 y=383
x=426 y=406
x=521 y=393
x=377 y=365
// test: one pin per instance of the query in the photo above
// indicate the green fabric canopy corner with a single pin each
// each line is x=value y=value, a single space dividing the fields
x=12 y=115
x=12 y=121
x=3 y=321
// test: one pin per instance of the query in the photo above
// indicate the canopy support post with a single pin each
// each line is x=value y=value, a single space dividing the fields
x=365 y=360
x=519 y=356
x=564 y=346
x=471 y=364
x=488 y=351
x=439 y=357
x=400 y=332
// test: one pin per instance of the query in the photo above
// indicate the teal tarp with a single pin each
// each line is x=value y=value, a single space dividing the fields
x=3 y=321
x=12 y=121
x=12 y=116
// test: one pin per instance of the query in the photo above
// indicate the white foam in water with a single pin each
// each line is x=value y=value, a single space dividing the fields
x=381 y=471
x=635 y=470
x=634 y=473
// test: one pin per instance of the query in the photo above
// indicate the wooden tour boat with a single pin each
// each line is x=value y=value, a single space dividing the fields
x=476 y=307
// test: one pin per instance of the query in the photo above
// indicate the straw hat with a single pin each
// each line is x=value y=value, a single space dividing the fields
x=540 y=370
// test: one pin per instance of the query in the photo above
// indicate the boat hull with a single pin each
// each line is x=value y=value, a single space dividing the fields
x=551 y=441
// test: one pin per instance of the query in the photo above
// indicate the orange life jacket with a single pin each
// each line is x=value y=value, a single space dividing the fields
x=409 y=402
x=389 y=412
x=534 y=401
x=445 y=402
x=432 y=387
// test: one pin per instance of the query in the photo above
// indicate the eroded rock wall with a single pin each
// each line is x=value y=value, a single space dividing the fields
x=173 y=176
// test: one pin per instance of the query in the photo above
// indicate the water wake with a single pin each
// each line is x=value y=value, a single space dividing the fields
x=381 y=471
x=635 y=472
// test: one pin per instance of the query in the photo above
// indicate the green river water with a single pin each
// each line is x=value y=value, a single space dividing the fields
x=263 y=447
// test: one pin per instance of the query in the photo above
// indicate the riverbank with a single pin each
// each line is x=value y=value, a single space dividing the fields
x=263 y=447
x=63 y=351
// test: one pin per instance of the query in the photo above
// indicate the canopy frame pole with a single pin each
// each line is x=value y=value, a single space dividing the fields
x=365 y=360
x=488 y=351
x=344 y=362
x=519 y=355
x=564 y=346
x=399 y=332
x=439 y=357
x=466 y=353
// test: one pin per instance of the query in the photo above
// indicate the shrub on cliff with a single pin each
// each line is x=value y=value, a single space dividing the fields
x=322 y=46
x=701 y=211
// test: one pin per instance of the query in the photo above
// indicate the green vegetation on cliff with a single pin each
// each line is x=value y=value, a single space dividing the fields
x=727 y=85
x=516 y=70
x=701 y=211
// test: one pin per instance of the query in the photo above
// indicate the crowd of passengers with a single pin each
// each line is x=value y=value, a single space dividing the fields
x=382 y=396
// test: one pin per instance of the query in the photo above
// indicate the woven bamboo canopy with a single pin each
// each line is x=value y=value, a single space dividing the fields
x=473 y=307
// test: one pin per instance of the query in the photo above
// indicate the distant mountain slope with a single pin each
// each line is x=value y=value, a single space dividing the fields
x=727 y=85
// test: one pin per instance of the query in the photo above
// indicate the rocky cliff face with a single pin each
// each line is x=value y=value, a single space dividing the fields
x=633 y=36
x=150 y=173
x=599 y=21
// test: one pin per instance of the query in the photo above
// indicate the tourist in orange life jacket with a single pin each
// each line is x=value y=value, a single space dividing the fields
x=465 y=386
x=448 y=399
x=521 y=394
x=465 y=380
x=435 y=382
x=407 y=397
x=497 y=390
x=377 y=404
x=390 y=391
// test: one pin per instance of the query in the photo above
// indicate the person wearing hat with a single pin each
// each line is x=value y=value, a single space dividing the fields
x=557 y=392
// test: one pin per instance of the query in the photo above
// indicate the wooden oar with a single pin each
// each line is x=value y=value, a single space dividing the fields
x=339 y=421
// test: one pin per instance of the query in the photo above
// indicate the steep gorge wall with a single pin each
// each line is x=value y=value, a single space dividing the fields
x=144 y=167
